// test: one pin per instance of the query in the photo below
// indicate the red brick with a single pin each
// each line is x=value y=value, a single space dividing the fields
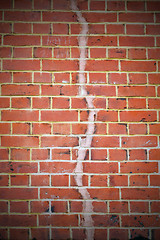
x=61 y=193
x=118 y=207
x=105 y=141
x=118 y=180
x=18 y=167
x=138 y=116
x=137 y=78
x=22 y=52
x=139 y=232
x=5 y=77
x=135 y=6
x=5 y=128
x=137 y=154
x=137 y=129
x=21 y=128
x=153 y=6
x=39 y=180
x=93 y=17
x=155 y=207
x=154 y=154
x=61 y=77
x=97 y=52
x=106 y=220
x=121 y=233
x=136 y=103
x=61 y=154
x=101 y=90
x=59 y=220
x=23 y=115
x=60 y=28
x=22 y=28
x=97 y=5
x=41 y=102
x=136 y=29
x=59 y=41
x=56 y=167
x=60 y=103
x=41 y=52
x=19 y=193
x=153 y=29
x=103 y=167
x=41 y=28
x=4 y=180
x=154 y=128
x=20 y=154
x=136 y=53
x=21 y=102
x=117 y=128
x=140 y=193
x=3 y=208
x=60 y=180
x=4 y=102
x=136 y=41
x=6 y=4
x=20 y=141
x=40 y=233
x=136 y=17
x=138 y=180
x=59 y=65
x=104 y=193
x=21 y=40
x=25 y=16
x=139 y=220
x=116 y=53
x=115 y=28
x=138 y=66
x=21 y=65
x=102 y=41
x=40 y=154
x=61 y=52
x=42 y=4
x=4 y=154
x=5 y=52
x=41 y=128
x=100 y=181
x=18 y=220
x=136 y=91
x=139 y=141
x=18 y=90
x=96 y=29
x=117 y=103
x=117 y=154
x=153 y=54
x=42 y=77
x=5 y=27
x=115 y=6
x=154 y=180
x=58 y=116
x=22 y=77
x=155 y=233
x=98 y=154
x=19 y=234
x=139 y=207
x=19 y=180
x=100 y=206
x=107 y=116
x=154 y=103
x=61 y=128
x=23 y=4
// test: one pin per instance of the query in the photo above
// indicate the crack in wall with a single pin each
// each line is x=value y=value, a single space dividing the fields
x=86 y=142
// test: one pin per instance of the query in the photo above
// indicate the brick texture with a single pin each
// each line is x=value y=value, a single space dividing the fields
x=44 y=118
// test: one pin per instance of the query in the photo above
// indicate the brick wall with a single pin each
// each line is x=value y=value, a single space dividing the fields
x=80 y=102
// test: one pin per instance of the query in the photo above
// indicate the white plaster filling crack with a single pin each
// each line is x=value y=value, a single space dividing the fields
x=86 y=142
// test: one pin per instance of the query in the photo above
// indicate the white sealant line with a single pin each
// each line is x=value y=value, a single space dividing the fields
x=86 y=142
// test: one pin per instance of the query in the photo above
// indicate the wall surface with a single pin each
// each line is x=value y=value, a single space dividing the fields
x=80 y=102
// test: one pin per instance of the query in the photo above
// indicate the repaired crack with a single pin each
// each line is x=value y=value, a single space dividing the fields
x=86 y=142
